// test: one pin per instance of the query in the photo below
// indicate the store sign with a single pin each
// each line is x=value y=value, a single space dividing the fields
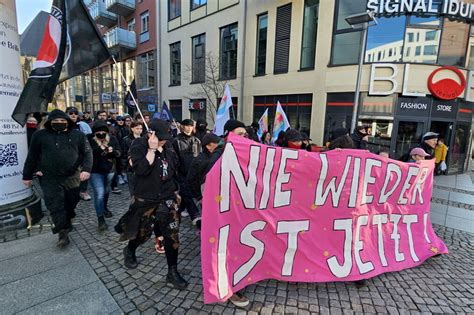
x=444 y=109
x=444 y=88
x=196 y=105
x=409 y=106
x=447 y=89
x=454 y=9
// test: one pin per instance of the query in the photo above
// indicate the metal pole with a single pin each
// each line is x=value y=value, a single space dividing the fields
x=131 y=94
x=359 y=76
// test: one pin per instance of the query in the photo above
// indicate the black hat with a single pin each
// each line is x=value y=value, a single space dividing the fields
x=72 y=109
x=232 y=124
x=210 y=138
x=293 y=135
x=100 y=125
x=161 y=129
x=187 y=122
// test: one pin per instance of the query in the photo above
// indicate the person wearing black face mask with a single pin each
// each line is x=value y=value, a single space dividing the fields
x=106 y=150
x=62 y=157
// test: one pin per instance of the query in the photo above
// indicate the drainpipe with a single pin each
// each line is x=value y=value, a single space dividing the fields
x=158 y=54
x=240 y=109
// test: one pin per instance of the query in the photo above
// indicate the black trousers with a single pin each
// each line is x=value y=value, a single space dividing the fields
x=143 y=215
x=61 y=196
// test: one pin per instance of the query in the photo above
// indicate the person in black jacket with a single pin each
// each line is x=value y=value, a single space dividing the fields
x=187 y=147
x=136 y=130
x=63 y=158
x=155 y=200
x=106 y=150
x=360 y=137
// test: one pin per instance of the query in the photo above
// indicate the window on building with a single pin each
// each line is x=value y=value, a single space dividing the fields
x=310 y=28
x=199 y=59
x=418 y=51
x=174 y=9
x=145 y=26
x=430 y=50
x=378 y=38
x=261 y=58
x=197 y=109
x=131 y=25
x=346 y=41
x=410 y=37
x=146 y=71
x=297 y=108
x=95 y=81
x=176 y=108
x=175 y=64
x=430 y=35
x=107 y=84
x=228 y=52
x=408 y=51
x=282 y=39
x=87 y=84
x=197 y=3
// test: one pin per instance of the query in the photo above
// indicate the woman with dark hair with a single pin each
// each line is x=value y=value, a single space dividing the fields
x=266 y=138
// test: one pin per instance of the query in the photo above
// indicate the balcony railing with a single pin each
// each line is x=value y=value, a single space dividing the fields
x=101 y=16
x=120 y=40
x=121 y=7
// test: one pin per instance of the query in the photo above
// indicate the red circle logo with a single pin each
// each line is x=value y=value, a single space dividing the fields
x=447 y=89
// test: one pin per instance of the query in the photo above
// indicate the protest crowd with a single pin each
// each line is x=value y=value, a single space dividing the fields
x=164 y=163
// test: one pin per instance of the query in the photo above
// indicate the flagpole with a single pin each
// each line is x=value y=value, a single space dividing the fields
x=131 y=94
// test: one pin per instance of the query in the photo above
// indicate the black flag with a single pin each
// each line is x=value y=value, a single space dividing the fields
x=71 y=45
x=131 y=105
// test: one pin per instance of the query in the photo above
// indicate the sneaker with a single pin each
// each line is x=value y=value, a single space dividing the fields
x=184 y=213
x=85 y=196
x=160 y=249
x=239 y=300
x=108 y=213
x=116 y=191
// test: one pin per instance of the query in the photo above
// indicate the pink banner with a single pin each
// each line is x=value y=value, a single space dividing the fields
x=297 y=216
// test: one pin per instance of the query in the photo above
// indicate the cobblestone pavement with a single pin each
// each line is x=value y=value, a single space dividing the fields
x=441 y=285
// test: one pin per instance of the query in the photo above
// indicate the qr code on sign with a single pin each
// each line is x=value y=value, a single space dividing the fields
x=8 y=155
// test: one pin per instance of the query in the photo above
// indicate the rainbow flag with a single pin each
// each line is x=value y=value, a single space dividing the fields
x=281 y=122
x=263 y=124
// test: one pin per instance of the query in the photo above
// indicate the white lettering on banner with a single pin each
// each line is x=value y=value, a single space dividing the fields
x=364 y=267
x=267 y=172
x=392 y=168
x=292 y=228
x=282 y=198
x=412 y=172
x=246 y=238
x=344 y=269
x=355 y=183
x=369 y=179
x=374 y=78
x=408 y=219
x=395 y=219
x=378 y=220
x=453 y=8
x=425 y=224
x=232 y=166
x=222 y=278
x=321 y=193
x=418 y=186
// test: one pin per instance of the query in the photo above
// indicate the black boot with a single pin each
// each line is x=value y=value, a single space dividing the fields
x=175 y=279
x=102 y=224
x=63 y=240
x=129 y=258
x=108 y=213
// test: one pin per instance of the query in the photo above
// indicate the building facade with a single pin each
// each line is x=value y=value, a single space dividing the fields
x=130 y=30
x=305 y=55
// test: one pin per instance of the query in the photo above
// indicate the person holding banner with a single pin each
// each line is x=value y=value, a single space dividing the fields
x=61 y=155
x=155 y=200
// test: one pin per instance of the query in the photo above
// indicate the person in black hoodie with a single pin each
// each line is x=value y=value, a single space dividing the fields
x=155 y=200
x=187 y=146
x=62 y=157
x=106 y=150
x=136 y=130
x=360 y=137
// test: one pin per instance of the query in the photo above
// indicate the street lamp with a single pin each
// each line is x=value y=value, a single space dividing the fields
x=360 y=20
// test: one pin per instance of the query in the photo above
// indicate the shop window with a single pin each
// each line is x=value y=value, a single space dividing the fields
x=175 y=63
x=261 y=58
x=297 y=108
x=199 y=59
x=377 y=105
x=197 y=108
x=310 y=28
x=339 y=108
x=228 y=52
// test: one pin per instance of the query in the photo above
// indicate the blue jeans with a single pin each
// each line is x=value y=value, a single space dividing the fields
x=101 y=185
